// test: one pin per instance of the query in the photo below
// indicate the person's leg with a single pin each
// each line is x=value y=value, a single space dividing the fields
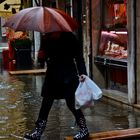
x=40 y=124
x=45 y=108
x=80 y=119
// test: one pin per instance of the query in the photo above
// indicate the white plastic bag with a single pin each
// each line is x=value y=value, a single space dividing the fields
x=86 y=92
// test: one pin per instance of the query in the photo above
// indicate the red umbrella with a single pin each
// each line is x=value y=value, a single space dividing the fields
x=41 y=19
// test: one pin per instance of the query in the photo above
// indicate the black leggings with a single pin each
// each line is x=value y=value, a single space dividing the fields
x=47 y=104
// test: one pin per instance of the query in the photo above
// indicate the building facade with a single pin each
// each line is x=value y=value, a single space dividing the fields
x=115 y=48
x=109 y=34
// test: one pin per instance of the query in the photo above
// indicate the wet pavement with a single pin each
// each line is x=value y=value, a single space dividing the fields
x=20 y=103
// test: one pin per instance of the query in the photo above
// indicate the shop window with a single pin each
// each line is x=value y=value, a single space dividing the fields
x=114 y=14
x=113 y=44
x=112 y=52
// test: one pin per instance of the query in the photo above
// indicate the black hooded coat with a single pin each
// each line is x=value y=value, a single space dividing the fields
x=65 y=62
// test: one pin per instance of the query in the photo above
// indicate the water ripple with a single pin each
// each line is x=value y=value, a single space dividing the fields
x=2 y=98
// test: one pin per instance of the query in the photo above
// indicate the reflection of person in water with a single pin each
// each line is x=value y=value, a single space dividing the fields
x=65 y=62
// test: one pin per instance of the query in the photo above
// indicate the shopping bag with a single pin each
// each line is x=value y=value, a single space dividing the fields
x=86 y=93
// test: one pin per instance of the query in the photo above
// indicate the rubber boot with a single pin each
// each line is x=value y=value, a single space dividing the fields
x=36 y=133
x=83 y=133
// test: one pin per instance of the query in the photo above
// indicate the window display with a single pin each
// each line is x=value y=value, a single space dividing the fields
x=113 y=40
x=113 y=44
x=114 y=14
x=113 y=50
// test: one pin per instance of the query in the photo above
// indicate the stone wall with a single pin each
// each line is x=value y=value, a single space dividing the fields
x=96 y=25
x=138 y=50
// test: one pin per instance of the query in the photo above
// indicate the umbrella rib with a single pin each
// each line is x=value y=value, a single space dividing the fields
x=60 y=18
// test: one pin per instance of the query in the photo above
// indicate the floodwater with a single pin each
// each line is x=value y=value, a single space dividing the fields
x=20 y=102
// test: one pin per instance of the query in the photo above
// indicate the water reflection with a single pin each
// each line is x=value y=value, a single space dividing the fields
x=10 y=107
x=20 y=102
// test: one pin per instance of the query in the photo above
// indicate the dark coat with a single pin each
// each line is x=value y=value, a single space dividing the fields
x=65 y=62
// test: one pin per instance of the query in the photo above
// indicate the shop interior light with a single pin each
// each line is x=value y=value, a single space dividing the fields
x=121 y=32
x=118 y=32
x=113 y=32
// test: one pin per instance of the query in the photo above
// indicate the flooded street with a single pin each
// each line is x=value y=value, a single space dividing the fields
x=20 y=103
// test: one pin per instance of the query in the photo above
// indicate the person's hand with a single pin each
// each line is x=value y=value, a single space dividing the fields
x=82 y=78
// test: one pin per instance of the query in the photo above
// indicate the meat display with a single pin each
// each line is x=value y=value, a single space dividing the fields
x=113 y=44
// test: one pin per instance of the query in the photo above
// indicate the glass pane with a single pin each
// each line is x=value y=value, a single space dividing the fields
x=114 y=14
x=113 y=44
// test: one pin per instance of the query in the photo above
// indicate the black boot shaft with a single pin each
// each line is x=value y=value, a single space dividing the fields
x=83 y=133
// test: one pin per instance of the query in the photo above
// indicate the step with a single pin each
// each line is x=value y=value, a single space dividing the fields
x=112 y=135
x=34 y=71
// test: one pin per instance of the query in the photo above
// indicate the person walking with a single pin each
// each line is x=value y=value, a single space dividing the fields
x=65 y=67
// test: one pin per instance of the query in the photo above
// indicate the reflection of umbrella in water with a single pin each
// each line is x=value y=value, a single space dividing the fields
x=41 y=19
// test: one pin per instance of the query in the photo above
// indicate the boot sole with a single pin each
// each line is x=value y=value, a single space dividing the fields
x=29 y=139
x=26 y=139
x=85 y=138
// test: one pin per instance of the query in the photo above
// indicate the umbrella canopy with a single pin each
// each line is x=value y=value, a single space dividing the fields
x=41 y=19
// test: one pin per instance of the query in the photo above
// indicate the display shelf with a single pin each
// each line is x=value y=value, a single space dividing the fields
x=107 y=61
x=112 y=53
